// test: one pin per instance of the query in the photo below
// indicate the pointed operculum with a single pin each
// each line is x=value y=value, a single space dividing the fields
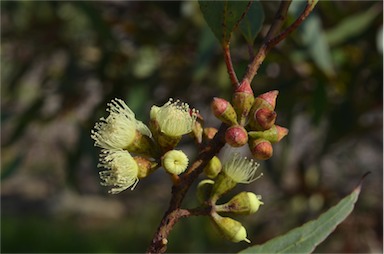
x=224 y=111
x=281 y=132
x=236 y=136
x=270 y=97
x=261 y=149
x=242 y=101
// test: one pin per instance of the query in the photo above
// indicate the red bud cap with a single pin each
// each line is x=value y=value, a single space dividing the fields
x=261 y=149
x=265 y=118
x=236 y=136
x=270 y=97
x=281 y=132
x=224 y=111
x=244 y=87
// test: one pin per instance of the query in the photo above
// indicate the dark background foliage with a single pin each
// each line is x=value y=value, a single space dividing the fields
x=61 y=62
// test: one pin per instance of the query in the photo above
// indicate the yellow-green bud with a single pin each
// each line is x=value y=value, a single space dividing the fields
x=242 y=203
x=204 y=189
x=242 y=101
x=224 y=111
x=231 y=229
x=274 y=134
x=213 y=167
x=175 y=162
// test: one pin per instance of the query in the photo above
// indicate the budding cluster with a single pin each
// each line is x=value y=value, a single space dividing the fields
x=132 y=151
x=251 y=120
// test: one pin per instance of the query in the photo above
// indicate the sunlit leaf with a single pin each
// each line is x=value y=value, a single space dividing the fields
x=305 y=238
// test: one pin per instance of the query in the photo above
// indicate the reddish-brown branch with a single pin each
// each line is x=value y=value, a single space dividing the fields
x=230 y=69
x=174 y=213
x=270 y=42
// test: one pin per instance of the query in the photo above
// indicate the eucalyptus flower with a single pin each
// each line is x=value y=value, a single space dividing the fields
x=121 y=130
x=237 y=169
x=122 y=170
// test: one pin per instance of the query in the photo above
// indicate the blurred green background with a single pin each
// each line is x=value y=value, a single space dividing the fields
x=62 y=61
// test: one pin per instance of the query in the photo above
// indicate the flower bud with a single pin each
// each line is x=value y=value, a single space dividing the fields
x=175 y=162
x=224 y=111
x=261 y=149
x=146 y=167
x=242 y=101
x=230 y=228
x=267 y=100
x=213 y=167
x=242 y=203
x=236 y=136
x=262 y=119
x=274 y=134
x=204 y=189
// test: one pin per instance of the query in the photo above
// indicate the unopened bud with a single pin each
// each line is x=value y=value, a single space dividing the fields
x=236 y=136
x=213 y=167
x=273 y=134
x=146 y=167
x=224 y=111
x=261 y=149
x=204 y=189
x=242 y=101
x=242 y=203
x=175 y=162
x=230 y=228
x=267 y=99
x=262 y=119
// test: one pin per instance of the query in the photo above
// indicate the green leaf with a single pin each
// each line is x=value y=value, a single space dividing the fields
x=251 y=25
x=223 y=17
x=305 y=238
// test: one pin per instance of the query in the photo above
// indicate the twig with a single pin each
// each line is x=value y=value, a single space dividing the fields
x=174 y=213
x=270 y=42
x=228 y=62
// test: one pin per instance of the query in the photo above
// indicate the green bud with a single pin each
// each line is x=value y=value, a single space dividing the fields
x=242 y=101
x=213 y=167
x=224 y=111
x=204 y=189
x=274 y=134
x=262 y=119
x=231 y=229
x=242 y=203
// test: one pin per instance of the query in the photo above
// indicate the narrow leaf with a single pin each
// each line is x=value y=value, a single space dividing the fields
x=352 y=26
x=223 y=17
x=251 y=25
x=305 y=238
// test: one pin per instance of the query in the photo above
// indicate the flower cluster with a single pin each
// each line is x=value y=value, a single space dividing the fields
x=235 y=169
x=131 y=150
x=251 y=120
